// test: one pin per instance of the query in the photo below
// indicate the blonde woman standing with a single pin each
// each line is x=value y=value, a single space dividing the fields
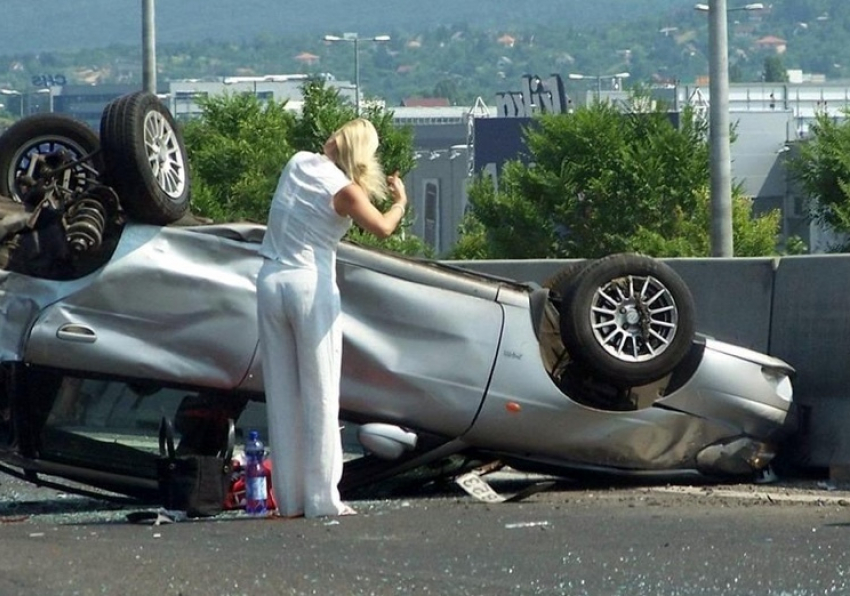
x=298 y=307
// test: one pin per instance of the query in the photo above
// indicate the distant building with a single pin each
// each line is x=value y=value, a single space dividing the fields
x=442 y=139
x=85 y=102
x=425 y=102
x=776 y=44
x=307 y=58
x=183 y=94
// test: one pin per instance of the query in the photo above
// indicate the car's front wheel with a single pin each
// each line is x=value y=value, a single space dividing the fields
x=628 y=319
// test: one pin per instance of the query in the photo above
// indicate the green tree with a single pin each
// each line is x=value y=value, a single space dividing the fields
x=774 y=70
x=236 y=151
x=447 y=88
x=822 y=169
x=604 y=181
x=752 y=236
x=239 y=145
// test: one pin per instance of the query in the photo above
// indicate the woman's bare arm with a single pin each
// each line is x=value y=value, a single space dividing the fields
x=354 y=202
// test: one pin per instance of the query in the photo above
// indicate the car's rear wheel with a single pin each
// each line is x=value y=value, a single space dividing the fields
x=30 y=150
x=628 y=319
x=145 y=158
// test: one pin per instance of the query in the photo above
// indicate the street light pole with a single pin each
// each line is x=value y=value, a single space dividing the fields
x=718 y=131
x=720 y=165
x=148 y=46
x=355 y=40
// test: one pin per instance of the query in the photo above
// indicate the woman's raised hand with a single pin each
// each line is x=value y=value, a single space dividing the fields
x=396 y=186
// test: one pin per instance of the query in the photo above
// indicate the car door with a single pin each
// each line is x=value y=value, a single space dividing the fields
x=172 y=305
x=420 y=341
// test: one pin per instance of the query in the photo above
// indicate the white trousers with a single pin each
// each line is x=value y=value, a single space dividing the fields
x=298 y=311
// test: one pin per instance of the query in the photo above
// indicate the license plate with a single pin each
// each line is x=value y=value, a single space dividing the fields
x=476 y=486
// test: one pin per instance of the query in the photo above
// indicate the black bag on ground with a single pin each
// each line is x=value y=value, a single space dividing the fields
x=196 y=484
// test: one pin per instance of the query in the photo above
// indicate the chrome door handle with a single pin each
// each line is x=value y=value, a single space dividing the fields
x=76 y=332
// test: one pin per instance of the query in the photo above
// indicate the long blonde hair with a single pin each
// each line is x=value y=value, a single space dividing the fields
x=355 y=153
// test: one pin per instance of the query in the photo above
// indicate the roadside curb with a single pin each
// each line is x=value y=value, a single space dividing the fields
x=823 y=492
x=774 y=495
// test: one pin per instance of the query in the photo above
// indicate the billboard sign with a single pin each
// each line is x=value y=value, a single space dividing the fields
x=537 y=95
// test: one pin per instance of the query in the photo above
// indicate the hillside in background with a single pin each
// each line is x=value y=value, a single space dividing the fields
x=78 y=24
x=456 y=50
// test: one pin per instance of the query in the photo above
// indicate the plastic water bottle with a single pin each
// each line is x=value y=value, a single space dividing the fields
x=256 y=488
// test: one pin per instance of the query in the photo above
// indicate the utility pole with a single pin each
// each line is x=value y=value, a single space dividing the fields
x=718 y=122
x=148 y=46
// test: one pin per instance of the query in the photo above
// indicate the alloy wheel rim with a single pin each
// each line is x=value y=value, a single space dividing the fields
x=634 y=318
x=165 y=156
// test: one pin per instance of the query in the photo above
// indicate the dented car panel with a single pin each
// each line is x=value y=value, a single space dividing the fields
x=414 y=350
x=169 y=305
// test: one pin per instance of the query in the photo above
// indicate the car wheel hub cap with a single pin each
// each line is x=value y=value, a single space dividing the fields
x=164 y=155
x=634 y=318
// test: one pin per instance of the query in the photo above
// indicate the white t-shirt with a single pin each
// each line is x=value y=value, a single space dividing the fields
x=303 y=227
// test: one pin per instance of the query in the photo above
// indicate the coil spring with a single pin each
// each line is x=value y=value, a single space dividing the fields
x=85 y=222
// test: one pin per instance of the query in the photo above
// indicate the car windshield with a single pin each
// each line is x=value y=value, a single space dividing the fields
x=115 y=424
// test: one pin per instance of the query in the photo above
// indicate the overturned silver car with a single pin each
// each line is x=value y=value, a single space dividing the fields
x=598 y=371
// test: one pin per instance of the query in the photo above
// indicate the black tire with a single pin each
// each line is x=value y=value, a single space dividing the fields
x=560 y=281
x=628 y=319
x=145 y=158
x=41 y=135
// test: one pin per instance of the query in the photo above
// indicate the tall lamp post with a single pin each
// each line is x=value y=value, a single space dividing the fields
x=149 y=46
x=599 y=79
x=720 y=165
x=355 y=39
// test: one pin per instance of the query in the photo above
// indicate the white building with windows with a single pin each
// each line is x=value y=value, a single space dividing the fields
x=437 y=184
x=183 y=95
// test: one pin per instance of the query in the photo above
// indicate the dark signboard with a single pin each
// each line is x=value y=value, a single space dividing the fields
x=49 y=80
x=500 y=139
x=536 y=96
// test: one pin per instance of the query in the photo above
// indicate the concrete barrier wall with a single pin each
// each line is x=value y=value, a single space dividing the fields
x=733 y=297
x=811 y=321
x=796 y=308
x=811 y=330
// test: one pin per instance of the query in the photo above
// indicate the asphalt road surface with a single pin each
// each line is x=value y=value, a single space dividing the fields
x=767 y=540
